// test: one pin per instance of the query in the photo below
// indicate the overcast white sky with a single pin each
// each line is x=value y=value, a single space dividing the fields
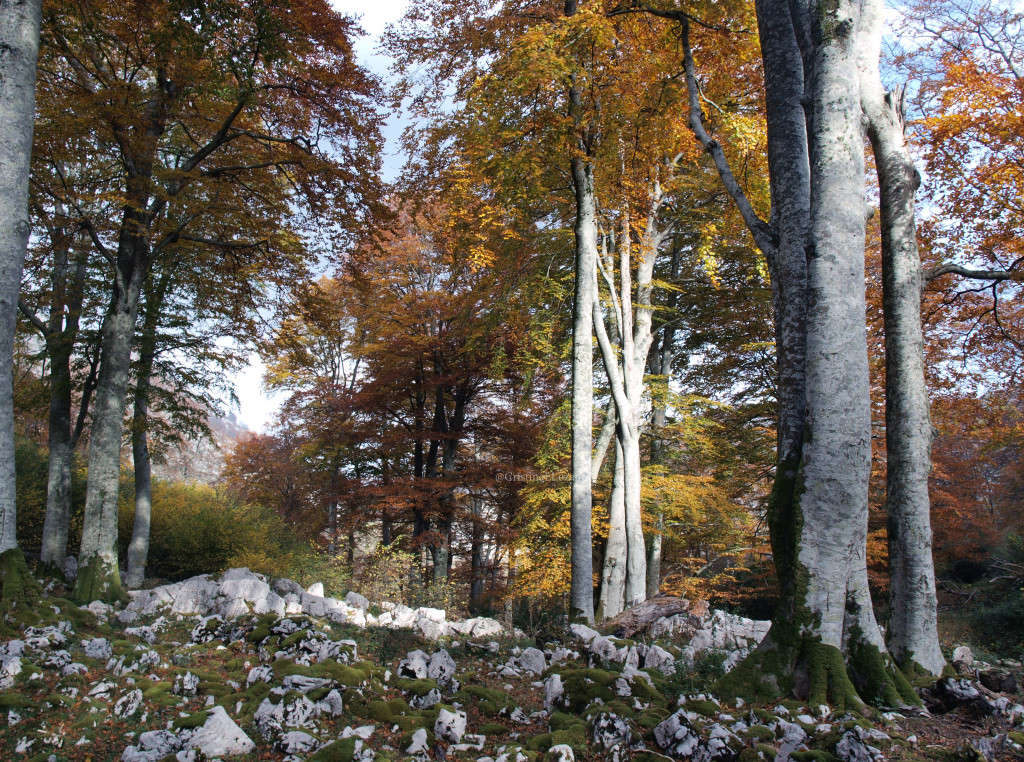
x=256 y=407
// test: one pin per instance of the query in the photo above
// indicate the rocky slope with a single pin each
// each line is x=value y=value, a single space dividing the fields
x=241 y=667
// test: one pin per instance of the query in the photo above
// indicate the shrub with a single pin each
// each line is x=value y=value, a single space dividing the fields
x=31 y=464
x=197 y=529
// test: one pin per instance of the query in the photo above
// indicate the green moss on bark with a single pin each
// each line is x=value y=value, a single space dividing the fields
x=876 y=676
x=99 y=580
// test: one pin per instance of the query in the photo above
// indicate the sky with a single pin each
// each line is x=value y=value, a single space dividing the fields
x=256 y=408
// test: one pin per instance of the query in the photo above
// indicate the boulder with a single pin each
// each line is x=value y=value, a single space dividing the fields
x=297 y=742
x=219 y=736
x=355 y=600
x=553 y=691
x=128 y=704
x=532 y=660
x=560 y=753
x=450 y=726
x=419 y=743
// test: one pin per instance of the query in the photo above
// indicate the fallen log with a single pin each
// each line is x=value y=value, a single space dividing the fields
x=640 y=617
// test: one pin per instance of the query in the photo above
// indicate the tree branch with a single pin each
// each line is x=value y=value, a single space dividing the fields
x=34 y=319
x=759 y=229
x=947 y=268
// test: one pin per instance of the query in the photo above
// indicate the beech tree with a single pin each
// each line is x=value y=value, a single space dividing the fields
x=19 y=42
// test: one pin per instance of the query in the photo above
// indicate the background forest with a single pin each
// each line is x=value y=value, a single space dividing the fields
x=206 y=182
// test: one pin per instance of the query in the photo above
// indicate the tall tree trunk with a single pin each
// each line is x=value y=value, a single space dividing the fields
x=613 y=572
x=581 y=593
x=99 y=578
x=912 y=636
x=19 y=48
x=60 y=336
x=138 y=547
x=824 y=645
x=476 y=558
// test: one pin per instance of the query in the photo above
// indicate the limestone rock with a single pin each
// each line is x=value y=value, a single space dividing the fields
x=553 y=691
x=220 y=737
x=419 y=743
x=356 y=600
x=560 y=753
x=98 y=648
x=297 y=742
x=414 y=665
x=532 y=660
x=450 y=726
x=128 y=704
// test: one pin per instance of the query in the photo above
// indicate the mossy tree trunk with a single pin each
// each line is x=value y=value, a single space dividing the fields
x=825 y=645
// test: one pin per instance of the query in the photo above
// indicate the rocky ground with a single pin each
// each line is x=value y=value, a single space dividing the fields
x=239 y=667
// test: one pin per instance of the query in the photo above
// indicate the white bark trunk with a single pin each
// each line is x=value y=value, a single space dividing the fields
x=19 y=49
x=913 y=632
x=837 y=455
x=582 y=585
x=613 y=575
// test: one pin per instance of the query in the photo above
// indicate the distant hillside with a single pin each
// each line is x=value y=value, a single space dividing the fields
x=201 y=460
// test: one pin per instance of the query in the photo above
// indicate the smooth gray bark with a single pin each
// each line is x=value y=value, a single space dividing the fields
x=138 y=546
x=613 y=572
x=581 y=593
x=60 y=333
x=836 y=461
x=912 y=636
x=19 y=49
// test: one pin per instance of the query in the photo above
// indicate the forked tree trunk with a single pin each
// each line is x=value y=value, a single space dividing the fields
x=912 y=636
x=60 y=336
x=19 y=48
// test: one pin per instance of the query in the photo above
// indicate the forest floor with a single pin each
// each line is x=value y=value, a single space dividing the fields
x=85 y=685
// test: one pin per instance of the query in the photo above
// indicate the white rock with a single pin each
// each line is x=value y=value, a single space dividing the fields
x=532 y=660
x=414 y=665
x=962 y=655
x=561 y=753
x=317 y=588
x=553 y=690
x=450 y=726
x=128 y=704
x=419 y=743
x=441 y=667
x=354 y=599
x=297 y=742
x=220 y=737
x=584 y=633
x=98 y=648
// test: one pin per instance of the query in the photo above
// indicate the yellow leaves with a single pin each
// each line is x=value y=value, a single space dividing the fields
x=709 y=239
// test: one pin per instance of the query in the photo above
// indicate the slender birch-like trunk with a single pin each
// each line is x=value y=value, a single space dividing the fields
x=912 y=636
x=613 y=572
x=19 y=49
